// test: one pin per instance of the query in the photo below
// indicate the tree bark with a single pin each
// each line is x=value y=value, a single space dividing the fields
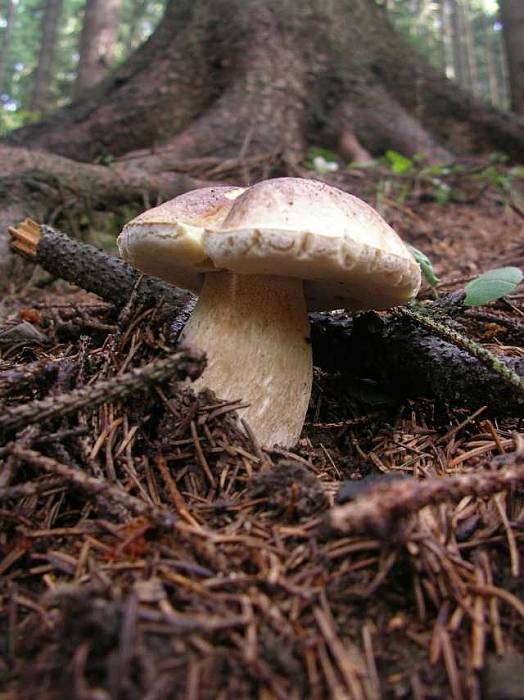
x=6 y=40
x=40 y=98
x=460 y=66
x=491 y=63
x=97 y=42
x=512 y=13
x=230 y=76
x=137 y=12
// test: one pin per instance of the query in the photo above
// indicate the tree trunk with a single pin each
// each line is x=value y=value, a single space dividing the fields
x=491 y=63
x=6 y=40
x=460 y=66
x=446 y=54
x=469 y=47
x=97 y=42
x=137 y=11
x=40 y=98
x=512 y=12
x=225 y=77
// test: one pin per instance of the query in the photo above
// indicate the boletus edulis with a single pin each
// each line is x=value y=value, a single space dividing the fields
x=260 y=258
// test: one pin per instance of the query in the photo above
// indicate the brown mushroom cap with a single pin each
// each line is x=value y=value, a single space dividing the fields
x=264 y=255
x=166 y=241
x=345 y=252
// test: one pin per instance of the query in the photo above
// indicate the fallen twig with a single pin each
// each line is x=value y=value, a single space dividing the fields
x=382 y=510
x=96 y=487
x=92 y=269
x=179 y=366
x=442 y=330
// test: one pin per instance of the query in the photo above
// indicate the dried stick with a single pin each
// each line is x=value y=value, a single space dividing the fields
x=182 y=365
x=96 y=487
x=92 y=269
x=384 y=507
x=30 y=488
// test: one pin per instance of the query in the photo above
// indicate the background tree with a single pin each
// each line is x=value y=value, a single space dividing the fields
x=469 y=49
x=426 y=24
x=43 y=76
x=496 y=91
x=512 y=12
x=453 y=35
x=6 y=35
x=353 y=72
x=139 y=17
x=97 y=42
x=460 y=62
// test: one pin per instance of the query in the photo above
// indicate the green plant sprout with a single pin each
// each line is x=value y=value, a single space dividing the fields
x=425 y=266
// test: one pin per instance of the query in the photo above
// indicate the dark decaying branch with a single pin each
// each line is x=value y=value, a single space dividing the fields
x=94 y=270
x=390 y=349
x=397 y=353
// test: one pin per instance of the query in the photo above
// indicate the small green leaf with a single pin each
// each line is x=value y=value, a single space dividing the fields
x=315 y=151
x=425 y=265
x=398 y=163
x=517 y=171
x=436 y=170
x=442 y=192
x=492 y=285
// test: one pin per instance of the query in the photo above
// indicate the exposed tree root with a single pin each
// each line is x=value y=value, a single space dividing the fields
x=46 y=187
x=271 y=73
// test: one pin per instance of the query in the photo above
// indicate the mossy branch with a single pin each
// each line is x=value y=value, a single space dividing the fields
x=442 y=330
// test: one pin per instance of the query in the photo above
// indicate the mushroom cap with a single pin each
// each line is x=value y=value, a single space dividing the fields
x=166 y=241
x=345 y=252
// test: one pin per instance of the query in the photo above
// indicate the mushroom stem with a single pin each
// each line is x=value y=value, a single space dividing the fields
x=254 y=330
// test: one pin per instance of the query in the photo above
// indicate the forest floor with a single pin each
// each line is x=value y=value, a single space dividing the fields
x=248 y=592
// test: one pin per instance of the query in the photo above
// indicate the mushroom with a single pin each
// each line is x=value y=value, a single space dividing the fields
x=166 y=241
x=263 y=257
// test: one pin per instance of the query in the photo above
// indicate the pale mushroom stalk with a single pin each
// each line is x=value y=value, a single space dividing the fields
x=254 y=330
